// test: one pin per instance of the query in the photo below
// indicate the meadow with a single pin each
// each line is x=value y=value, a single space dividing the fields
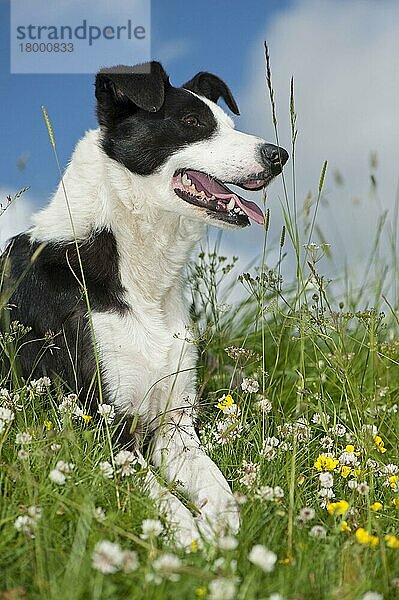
x=298 y=403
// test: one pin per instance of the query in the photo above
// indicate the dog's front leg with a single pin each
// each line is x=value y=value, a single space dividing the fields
x=177 y=450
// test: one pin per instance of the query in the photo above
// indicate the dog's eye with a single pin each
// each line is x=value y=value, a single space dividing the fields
x=191 y=120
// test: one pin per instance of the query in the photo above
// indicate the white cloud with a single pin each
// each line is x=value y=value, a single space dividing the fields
x=343 y=56
x=17 y=216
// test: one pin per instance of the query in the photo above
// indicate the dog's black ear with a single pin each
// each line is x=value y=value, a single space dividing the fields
x=213 y=88
x=122 y=89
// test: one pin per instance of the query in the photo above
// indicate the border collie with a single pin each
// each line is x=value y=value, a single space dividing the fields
x=136 y=198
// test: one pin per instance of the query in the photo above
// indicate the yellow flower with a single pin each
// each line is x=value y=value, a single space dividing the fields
x=325 y=463
x=48 y=425
x=194 y=546
x=225 y=401
x=393 y=479
x=87 y=418
x=379 y=444
x=395 y=502
x=345 y=471
x=345 y=526
x=376 y=506
x=337 y=508
x=392 y=541
x=201 y=592
x=365 y=538
x=356 y=472
x=349 y=448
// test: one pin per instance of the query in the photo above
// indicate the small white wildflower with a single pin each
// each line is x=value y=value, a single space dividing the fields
x=389 y=469
x=263 y=558
x=278 y=492
x=23 y=438
x=316 y=418
x=269 y=452
x=40 y=385
x=107 y=557
x=151 y=528
x=275 y=597
x=35 y=512
x=23 y=454
x=371 y=429
x=222 y=589
x=265 y=492
x=227 y=431
x=306 y=514
x=130 y=561
x=249 y=385
x=249 y=473
x=363 y=488
x=352 y=484
x=106 y=469
x=338 y=430
x=349 y=459
x=57 y=477
x=318 y=531
x=6 y=415
x=126 y=461
x=69 y=406
x=227 y=542
x=166 y=565
x=326 y=493
x=55 y=447
x=264 y=405
x=107 y=411
x=326 y=442
x=372 y=596
x=326 y=480
x=26 y=525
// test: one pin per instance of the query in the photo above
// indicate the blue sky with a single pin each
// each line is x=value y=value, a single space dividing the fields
x=209 y=35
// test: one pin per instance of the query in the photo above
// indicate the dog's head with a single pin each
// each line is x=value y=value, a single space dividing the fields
x=183 y=143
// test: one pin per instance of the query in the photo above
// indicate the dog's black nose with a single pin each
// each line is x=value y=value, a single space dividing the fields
x=274 y=156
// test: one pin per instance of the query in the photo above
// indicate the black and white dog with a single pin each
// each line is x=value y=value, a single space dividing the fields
x=140 y=191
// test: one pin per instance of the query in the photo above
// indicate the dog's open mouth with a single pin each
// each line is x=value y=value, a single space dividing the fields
x=200 y=189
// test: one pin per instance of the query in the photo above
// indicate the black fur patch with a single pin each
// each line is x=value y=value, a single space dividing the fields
x=49 y=298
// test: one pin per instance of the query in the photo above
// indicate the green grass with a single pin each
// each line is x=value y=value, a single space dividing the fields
x=311 y=353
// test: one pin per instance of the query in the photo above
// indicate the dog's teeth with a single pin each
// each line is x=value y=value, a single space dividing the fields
x=212 y=197
x=231 y=204
x=202 y=194
x=237 y=210
x=185 y=180
x=193 y=189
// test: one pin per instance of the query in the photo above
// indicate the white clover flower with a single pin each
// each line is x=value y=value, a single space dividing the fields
x=316 y=419
x=107 y=557
x=55 y=447
x=263 y=405
x=130 y=561
x=372 y=596
x=249 y=473
x=23 y=454
x=227 y=431
x=338 y=430
x=318 y=531
x=40 y=385
x=326 y=442
x=269 y=452
x=227 y=542
x=6 y=415
x=151 y=528
x=26 y=525
x=106 y=469
x=326 y=480
x=326 y=493
x=69 y=406
x=363 y=488
x=265 y=492
x=349 y=459
x=126 y=461
x=222 y=589
x=390 y=469
x=371 y=429
x=57 y=477
x=278 y=492
x=23 y=438
x=263 y=558
x=249 y=385
x=166 y=565
x=352 y=484
x=107 y=411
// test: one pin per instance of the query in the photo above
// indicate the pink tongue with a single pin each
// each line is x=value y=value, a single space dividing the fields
x=251 y=209
x=218 y=189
